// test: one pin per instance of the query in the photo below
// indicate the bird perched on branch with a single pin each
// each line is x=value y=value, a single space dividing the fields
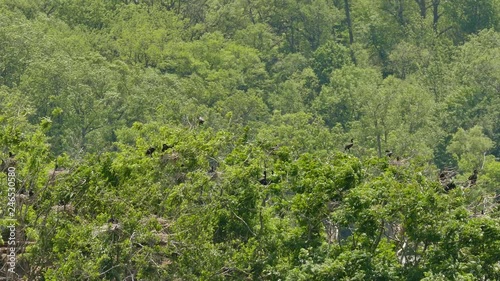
x=23 y=192
x=446 y=179
x=473 y=178
x=451 y=185
x=166 y=147
x=9 y=162
x=150 y=151
x=348 y=146
x=264 y=180
x=212 y=169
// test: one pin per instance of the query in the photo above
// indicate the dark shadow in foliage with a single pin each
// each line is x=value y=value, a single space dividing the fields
x=110 y=175
x=442 y=157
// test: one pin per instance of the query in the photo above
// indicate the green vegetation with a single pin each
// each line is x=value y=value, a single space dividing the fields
x=265 y=188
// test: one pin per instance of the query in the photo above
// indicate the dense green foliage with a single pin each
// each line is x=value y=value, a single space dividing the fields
x=88 y=87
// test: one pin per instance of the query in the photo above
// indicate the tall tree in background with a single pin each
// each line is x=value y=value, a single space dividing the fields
x=471 y=16
x=347 y=9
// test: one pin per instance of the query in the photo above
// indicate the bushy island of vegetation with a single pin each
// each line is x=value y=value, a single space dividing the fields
x=250 y=140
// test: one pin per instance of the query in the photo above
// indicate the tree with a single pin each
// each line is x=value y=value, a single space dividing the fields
x=470 y=16
x=329 y=57
x=145 y=35
x=469 y=148
x=347 y=10
x=341 y=100
x=474 y=91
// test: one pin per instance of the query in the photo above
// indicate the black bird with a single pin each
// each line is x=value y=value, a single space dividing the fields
x=113 y=220
x=450 y=186
x=57 y=168
x=212 y=173
x=473 y=178
x=264 y=180
x=150 y=151
x=212 y=169
x=23 y=191
x=388 y=153
x=9 y=162
x=166 y=147
x=442 y=176
x=348 y=146
x=201 y=120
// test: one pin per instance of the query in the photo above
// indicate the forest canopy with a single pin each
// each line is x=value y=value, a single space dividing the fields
x=250 y=140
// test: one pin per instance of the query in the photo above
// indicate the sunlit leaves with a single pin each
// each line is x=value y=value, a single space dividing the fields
x=469 y=147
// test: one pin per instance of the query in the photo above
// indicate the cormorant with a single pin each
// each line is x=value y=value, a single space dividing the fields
x=113 y=220
x=212 y=173
x=166 y=147
x=264 y=180
x=201 y=120
x=473 y=178
x=212 y=169
x=57 y=168
x=450 y=186
x=150 y=151
x=388 y=153
x=348 y=146
x=9 y=162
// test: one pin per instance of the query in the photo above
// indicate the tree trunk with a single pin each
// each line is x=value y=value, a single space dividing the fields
x=423 y=8
x=292 y=37
x=435 y=13
x=84 y=138
x=400 y=13
x=349 y=22
x=377 y=132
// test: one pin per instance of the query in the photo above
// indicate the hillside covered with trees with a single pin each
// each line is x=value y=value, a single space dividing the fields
x=250 y=139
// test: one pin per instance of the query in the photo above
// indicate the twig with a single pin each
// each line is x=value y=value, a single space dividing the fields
x=244 y=223
x=109 y=269
x=484 y=160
